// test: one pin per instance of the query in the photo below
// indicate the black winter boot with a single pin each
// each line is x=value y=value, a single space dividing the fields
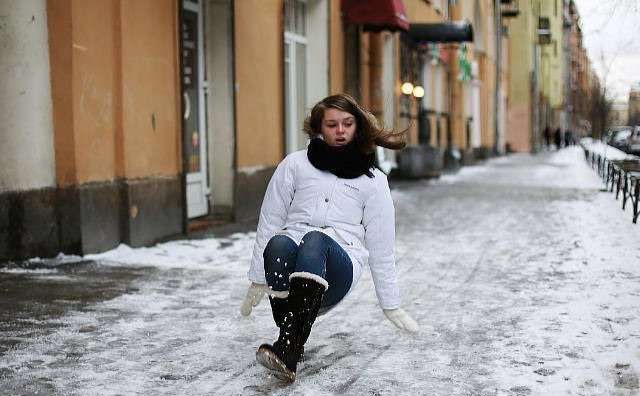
x=305 y=297
x=280 y=310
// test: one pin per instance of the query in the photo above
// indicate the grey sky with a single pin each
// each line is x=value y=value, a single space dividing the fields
x=611 y=30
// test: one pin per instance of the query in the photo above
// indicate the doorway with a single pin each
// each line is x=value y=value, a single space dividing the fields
x=194 y=132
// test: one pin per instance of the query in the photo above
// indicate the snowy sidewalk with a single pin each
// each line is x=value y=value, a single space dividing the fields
x=525 y=280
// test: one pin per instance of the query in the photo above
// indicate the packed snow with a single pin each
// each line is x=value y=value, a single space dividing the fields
x=523 y=275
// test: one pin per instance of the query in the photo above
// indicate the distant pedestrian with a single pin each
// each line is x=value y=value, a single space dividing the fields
x=326 y=210
x=568 y=138
x=557 y=137
x=547 y=136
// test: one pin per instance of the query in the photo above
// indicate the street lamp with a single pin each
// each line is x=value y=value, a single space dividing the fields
x=418 y=91
x=407 y=88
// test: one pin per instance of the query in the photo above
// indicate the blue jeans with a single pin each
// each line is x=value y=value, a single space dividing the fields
x=318 y=254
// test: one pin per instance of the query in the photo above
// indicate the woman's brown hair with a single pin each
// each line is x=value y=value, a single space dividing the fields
x=369 y=133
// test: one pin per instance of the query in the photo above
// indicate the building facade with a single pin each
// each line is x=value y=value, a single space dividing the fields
x=619 y=114
x=524 y=86
x=90 y=110
x=552 y=63
x=634 y=105
x=580 y=78
x=479 y=79
x=551 y=78
x=130 y=121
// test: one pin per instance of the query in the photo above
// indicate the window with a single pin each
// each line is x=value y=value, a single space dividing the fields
x=295 y=74
x=295 y=17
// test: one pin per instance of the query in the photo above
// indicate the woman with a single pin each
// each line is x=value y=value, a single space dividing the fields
x=327 y=212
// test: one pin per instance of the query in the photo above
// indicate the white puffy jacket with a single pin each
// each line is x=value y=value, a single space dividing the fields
x=357 y=213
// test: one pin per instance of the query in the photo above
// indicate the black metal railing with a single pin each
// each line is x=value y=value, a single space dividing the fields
x=621 y=176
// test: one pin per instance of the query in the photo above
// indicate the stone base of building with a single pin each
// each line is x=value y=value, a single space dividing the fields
x=482 y=153
x=249 y=192
x=89 y=218
x=452 y=159
x=467 y=157
x=420 y=161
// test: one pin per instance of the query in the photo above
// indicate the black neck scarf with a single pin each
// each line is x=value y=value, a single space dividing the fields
x=346 y=162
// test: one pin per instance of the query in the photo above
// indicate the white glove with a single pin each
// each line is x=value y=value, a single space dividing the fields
x=253 y=297
x=401 y=319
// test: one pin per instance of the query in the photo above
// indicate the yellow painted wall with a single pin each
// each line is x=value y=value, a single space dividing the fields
x=519 y=126
x=259 y=82
x=521 y=55
x=487 y=74
x=456 y=109
x=365 y=76
x=420 y=11
x=490 y=80
x=149 y=73
x=552 y=54
x=60 y=58
x=375 y=75
x=109 y=71
x=82 y=53
x=519 y=113
x=458 y=99
x=94 y=81
x=336 y=43
x=398 y=83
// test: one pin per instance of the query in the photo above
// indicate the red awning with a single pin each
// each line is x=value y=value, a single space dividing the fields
x=376 y=15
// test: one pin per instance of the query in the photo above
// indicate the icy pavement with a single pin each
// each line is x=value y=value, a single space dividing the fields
x=524 y=277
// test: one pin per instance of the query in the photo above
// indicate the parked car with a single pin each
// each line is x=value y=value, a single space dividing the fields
x=612 y=131
x=633 y=141
x=617 y=136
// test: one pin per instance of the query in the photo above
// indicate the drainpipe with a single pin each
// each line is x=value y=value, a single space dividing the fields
x=536 y=125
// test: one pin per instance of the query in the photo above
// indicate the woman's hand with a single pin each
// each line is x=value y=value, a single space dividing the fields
x=401 y=319
x=253 y=297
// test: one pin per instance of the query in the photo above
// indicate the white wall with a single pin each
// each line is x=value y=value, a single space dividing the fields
x=26 y=121
x=317 y=51
x=427 y=84
x=219 y=59
x=389 y=74
x=439 y=89
x=387 y=157
x=476 y=126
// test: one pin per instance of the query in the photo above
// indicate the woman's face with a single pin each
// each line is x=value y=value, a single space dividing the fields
x=338 y=127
